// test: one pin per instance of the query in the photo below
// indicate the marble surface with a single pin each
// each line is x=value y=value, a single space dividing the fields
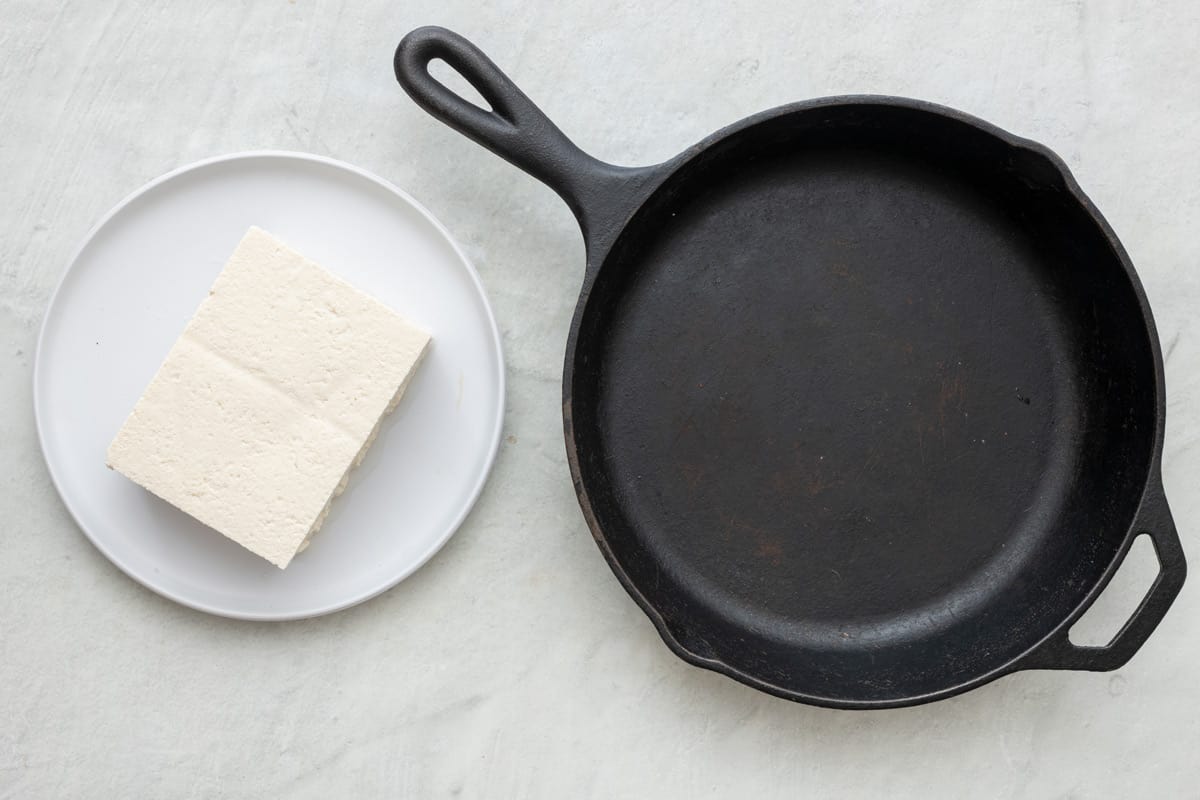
x=513 y=665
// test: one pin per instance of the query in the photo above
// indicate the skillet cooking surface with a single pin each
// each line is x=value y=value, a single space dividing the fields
x=855 y=398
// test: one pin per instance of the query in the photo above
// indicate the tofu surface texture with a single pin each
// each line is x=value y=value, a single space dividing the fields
x=271 y=395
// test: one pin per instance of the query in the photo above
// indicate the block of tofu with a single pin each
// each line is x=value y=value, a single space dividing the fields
x=268 y=399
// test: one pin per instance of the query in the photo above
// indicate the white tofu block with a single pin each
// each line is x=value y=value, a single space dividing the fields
x=271 y=395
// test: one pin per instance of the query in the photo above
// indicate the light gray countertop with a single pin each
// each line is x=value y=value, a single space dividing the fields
x=513 y=664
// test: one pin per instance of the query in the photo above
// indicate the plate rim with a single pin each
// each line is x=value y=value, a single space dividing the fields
x=439 y=542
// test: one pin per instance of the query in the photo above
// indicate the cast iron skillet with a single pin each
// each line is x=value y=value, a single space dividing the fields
x=863 y=400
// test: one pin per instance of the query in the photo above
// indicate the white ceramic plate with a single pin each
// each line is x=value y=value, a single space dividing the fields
x=127 y=295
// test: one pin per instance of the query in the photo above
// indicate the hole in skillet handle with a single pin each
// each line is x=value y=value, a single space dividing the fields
x=1153 y=520
x=455 y=83
x=1101 y=623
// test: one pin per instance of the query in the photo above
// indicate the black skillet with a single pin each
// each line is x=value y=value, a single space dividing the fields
x=863 y=399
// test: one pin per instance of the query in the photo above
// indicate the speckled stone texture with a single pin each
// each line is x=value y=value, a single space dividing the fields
x=514 y=665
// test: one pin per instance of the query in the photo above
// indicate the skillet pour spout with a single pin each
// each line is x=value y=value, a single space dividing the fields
x=863 y=399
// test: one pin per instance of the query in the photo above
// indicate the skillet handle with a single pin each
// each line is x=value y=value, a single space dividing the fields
x=514 y=129
x=1154 y=518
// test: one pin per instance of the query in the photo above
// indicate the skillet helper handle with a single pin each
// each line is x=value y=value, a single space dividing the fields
x=514 y=129
x=1057 y=652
